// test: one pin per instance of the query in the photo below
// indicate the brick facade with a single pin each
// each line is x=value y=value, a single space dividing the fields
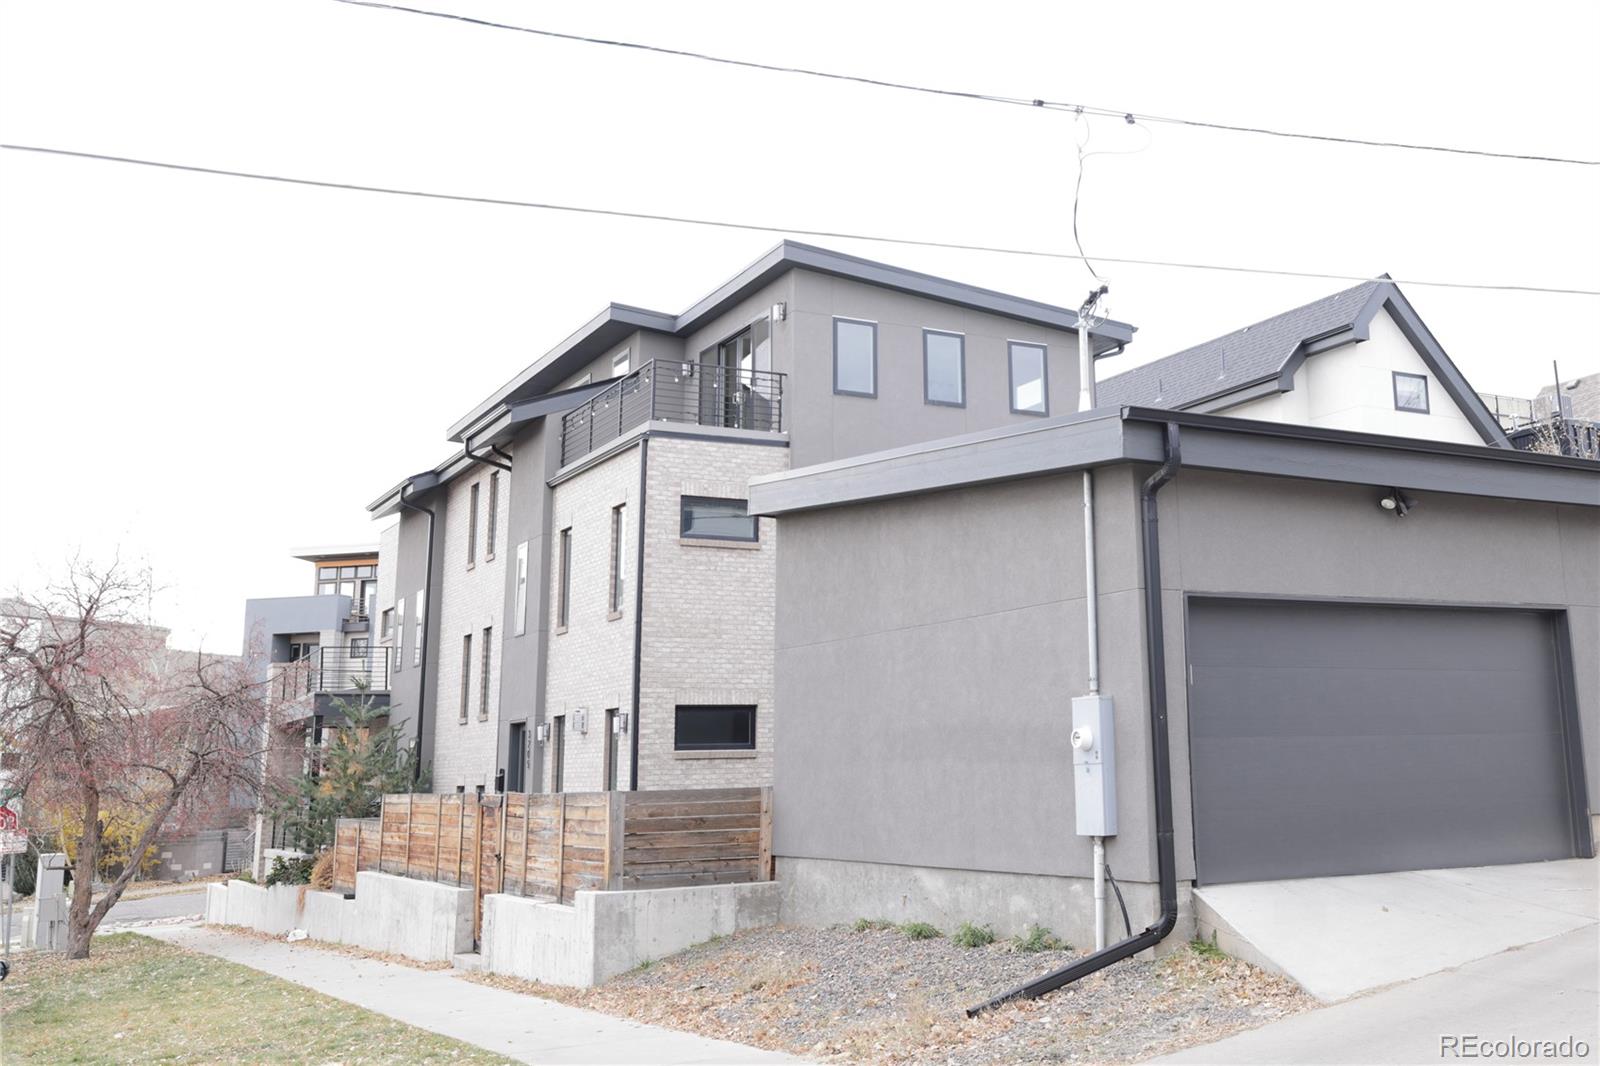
x=471 y=599
x=590 y=663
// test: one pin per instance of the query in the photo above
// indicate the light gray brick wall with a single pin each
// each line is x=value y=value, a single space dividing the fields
x=470 y=599
x=590 y=665
x=388 y=566
x=708 y=615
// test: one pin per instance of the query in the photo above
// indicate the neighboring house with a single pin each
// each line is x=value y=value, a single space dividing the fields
x=1351 y=677
x=315 y=650
x=1360 y=360
x=1562 y=419
x=581 y=599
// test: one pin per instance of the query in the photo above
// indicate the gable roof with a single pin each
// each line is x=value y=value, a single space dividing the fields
x=1262 y=358
x=618 y=321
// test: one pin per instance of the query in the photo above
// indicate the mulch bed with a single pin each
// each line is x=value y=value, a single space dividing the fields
x=876 y=995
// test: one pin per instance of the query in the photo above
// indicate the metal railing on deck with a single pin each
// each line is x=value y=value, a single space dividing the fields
x=671 y=391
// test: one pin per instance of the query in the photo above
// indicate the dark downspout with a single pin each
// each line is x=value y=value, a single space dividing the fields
x=427 y=627
x=466 y=446
x=638 y=622
x=1160 y=757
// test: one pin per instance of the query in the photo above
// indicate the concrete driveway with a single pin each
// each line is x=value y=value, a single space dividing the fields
x=1339 y=936
x=1544 y=992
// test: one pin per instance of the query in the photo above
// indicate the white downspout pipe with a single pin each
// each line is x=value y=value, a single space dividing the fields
x=1086 y=401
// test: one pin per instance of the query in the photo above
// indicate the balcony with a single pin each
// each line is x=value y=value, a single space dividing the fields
x=698 y=394
x=333 y=672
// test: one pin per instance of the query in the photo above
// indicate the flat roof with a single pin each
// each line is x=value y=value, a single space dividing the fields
x=618 y=321
x=323 y=553
x=1112 y=435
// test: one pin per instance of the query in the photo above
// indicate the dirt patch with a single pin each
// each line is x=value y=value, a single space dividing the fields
x=877 y=995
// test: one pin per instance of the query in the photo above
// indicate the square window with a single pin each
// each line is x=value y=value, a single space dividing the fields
x=855 y=357
x=1030 y=382
x=621 y=363
x=705 y=518
x=1411 y=392
x=944 y=368
x=714 y=728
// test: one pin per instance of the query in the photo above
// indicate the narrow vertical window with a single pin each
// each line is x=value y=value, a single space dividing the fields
x=611 y=761
x=855 y=357
x=618 y=555
x=620 y=364
x=520 y=612
x=1030 y=382
x=490 y=516
x=944 y=368
x=472 y=525
x=416 y=628
x=558 y=752
x=399 y=633
x=466 y=677
x=483 y=681
x=564 y=579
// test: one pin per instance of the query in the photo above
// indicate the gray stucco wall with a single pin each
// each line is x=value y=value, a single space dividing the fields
x=927 y=647
x=410 y=573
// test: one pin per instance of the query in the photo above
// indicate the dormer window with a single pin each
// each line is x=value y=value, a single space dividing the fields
x=1411 y=392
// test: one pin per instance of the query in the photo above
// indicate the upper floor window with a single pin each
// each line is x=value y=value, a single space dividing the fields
x=1411 y=392
x=564 y=580
x=944 y=368
x=520 y=611
x=386 y=623
x=1030 y=380
x=399 y=633
x=359 y=581
x=618 y=545
x=705 y=518
x=416 y=627
x=855 y=357
x=472 y=524
x=489 y=515
x=621 y=363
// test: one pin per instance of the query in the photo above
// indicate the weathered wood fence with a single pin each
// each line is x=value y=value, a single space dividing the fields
x=551 y=845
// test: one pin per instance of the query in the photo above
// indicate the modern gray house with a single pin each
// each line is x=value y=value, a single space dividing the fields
x=581 y=599
x=1325 y=652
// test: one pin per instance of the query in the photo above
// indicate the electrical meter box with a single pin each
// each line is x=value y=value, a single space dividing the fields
x=1094 y=766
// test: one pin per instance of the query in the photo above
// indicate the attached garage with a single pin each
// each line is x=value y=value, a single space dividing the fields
x=1336 y=738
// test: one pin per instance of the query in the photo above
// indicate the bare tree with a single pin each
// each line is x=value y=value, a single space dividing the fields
x=103 y=716
x=1564 y=436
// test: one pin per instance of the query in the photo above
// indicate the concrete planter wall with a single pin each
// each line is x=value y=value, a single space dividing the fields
x=603 y=934
x=418 y=919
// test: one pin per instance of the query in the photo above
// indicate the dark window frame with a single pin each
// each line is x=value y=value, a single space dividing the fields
x=466 y=679
x=617 y=590
x=487 y=655
x=472 y=525
x=564 y=580
x=684 y=503
x=927 y=391
x=489 y=516
x=679 y=709
x=1044 y=377
x=1394 y=384
x=837 y=391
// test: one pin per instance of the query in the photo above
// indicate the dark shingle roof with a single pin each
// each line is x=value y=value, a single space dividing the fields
x=1237 y=359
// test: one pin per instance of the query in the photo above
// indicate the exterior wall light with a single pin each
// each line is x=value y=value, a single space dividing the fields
x=1397 y=503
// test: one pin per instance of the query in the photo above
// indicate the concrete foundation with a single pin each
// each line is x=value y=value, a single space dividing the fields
x=418 y=919
x=603 y=934
x=820 y=892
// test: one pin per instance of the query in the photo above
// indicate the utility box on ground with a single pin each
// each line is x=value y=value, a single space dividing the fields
x=1094 y=766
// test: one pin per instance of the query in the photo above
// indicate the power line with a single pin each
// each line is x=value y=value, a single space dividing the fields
x=755 y=227
x=883 y=83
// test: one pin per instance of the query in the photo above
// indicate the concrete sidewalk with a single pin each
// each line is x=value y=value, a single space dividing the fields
x=523 y=1028
x=1545 y=991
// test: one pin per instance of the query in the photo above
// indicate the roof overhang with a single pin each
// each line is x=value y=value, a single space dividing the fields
x=1210 y=442
x=330 y=552
x=619 y=321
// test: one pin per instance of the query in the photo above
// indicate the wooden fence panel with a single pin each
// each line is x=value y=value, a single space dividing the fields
x=695 y=837
x=583 y=843
x=541 y=861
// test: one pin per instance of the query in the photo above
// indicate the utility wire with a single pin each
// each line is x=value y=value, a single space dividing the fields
x=883 y=83
x=1037 y=253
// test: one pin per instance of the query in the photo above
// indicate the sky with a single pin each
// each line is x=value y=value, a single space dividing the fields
x=203 y=373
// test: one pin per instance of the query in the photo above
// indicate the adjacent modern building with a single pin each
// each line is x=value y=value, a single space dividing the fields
x=581 y=598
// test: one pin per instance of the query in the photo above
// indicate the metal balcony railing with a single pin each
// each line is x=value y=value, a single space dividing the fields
x=672 y=391
x=333 y=670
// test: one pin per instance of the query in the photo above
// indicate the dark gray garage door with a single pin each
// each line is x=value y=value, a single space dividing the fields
x=1341 y=739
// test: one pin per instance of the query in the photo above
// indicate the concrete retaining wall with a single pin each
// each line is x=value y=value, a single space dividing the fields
x=418 y=919
x=603 y=934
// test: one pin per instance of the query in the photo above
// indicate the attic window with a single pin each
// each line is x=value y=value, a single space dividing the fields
x=1410 y=392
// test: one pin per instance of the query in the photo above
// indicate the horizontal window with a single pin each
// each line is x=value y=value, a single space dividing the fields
x=715 y=728
x=1410 y=392
x=705 y=518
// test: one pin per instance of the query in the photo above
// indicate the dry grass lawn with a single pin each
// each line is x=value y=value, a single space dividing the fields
x=137 y=1000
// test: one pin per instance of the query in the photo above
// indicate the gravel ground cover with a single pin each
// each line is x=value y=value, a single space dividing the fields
x=877 y=995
